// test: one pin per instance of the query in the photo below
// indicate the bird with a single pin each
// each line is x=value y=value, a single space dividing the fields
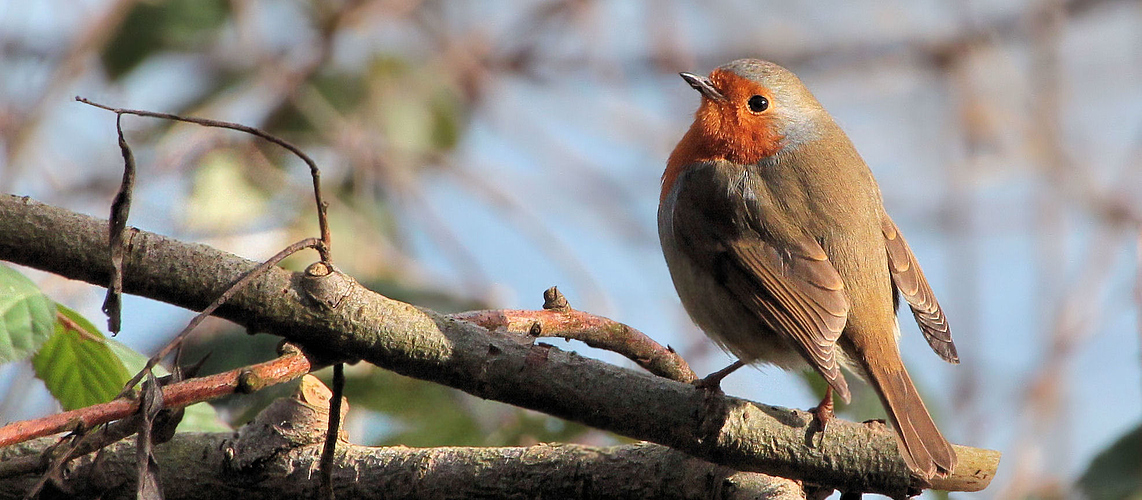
x=778 y=243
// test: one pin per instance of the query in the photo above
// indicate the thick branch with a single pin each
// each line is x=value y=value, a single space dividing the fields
x=195 y=466
x=423 y=344
x=278 y=452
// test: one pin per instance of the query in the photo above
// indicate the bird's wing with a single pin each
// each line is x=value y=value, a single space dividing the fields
x=909 y=280
x=796 y=292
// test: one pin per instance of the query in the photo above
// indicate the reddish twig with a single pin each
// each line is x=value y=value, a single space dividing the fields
x=557 y=319
x=289 y=366
x=72 y=326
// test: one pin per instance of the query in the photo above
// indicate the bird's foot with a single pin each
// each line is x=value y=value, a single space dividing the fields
x=823 y=413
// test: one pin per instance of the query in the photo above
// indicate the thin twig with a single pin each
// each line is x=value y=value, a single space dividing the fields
x=322 y=206
x=112 y=304
x=334 y=428
x=559 y=320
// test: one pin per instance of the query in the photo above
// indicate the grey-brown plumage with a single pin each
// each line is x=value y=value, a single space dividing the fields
x=777 y=241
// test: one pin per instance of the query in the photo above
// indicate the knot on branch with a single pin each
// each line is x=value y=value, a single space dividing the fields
x=288 y=423
x=326 y=285
x=553 y=300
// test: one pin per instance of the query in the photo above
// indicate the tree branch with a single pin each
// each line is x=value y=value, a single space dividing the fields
x=281 y=448
x=333 y=312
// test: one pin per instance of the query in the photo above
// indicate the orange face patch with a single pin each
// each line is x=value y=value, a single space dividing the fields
x=726 y=130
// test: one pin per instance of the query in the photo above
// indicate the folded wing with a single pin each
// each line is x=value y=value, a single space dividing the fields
x=910 y=282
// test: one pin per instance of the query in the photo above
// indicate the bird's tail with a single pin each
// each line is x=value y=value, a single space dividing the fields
x=924 y=449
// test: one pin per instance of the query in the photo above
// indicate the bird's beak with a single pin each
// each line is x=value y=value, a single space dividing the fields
x=703 y=85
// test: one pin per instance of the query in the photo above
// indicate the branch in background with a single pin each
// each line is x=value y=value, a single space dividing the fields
x=426 y=345
x=282 y=446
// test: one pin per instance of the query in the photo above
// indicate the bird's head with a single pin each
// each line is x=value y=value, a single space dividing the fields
x=750 y=110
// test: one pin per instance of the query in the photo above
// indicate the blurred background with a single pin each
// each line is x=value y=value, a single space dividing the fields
x=476 y=153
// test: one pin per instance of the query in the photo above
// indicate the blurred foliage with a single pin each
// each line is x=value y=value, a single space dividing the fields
x=414 y=109
x=427 y=414
x=224 y=197
x=437 y=300
x=1116 y=473
x=342 y=90
x=156 y=27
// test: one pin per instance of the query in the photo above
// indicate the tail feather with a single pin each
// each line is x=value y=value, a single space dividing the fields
x=924 y=449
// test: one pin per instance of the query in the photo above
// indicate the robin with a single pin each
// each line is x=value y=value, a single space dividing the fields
x=779 y=246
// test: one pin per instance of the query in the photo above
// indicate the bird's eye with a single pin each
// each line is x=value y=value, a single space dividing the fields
x=758 y=103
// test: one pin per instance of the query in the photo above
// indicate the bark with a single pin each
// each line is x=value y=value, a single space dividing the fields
x=278 y=454
x=263 y=462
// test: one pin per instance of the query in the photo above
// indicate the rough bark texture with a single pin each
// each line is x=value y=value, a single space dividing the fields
x=207 y=466
x=278 y=454
x=351 y=321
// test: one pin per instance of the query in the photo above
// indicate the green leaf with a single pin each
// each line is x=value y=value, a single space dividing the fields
x=26 y=316
x=1117 y=471
x=199 y=417
x=76 y=365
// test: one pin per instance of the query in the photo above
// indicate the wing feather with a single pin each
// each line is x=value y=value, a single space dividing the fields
x=798 y=293
x=911 y=283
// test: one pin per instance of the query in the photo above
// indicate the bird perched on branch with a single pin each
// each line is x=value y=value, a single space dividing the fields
x=781 y=251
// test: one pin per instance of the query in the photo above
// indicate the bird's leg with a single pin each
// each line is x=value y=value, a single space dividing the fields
x=823 y=413
x=713 y=381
